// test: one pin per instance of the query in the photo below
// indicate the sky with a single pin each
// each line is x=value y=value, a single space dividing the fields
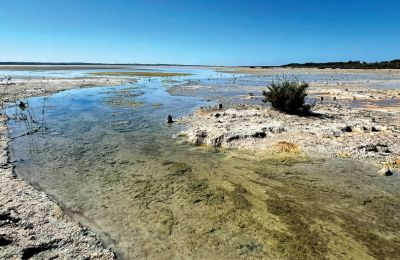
x=208 y=32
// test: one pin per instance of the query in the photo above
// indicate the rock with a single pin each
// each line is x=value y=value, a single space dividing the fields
x=259 y=135
x=377 y=128
x=347 y=129
x=382 y=148
x=232 y=138
x=385 y=172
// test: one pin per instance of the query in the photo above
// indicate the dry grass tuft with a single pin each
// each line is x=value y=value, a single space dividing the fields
x=392 y=163
x=286 y=147
x=343 y=154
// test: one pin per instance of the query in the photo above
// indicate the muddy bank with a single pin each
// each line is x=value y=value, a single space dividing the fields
x=31 y=224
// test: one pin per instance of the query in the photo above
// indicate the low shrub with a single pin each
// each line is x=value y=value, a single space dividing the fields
x=288 y=96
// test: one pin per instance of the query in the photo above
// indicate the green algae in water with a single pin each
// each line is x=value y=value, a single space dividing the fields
x=297 y=241
x=156 y=105
x=123 y=102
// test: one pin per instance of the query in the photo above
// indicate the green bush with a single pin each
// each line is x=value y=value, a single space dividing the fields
x=287 y=96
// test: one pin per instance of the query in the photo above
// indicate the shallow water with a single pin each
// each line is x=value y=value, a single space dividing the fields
x=115 y=167
x=74 y=73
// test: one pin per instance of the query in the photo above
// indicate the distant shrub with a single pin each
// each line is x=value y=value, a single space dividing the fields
x=288 y=96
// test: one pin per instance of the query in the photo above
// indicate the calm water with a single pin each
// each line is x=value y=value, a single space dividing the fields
x=107 y=155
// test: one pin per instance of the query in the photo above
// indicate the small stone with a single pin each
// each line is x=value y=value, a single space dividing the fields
x=347 y=129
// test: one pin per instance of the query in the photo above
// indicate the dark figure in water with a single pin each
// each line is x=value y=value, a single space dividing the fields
x=322 y=99
x=22 y=105
x=220 y=106
x=169 y=119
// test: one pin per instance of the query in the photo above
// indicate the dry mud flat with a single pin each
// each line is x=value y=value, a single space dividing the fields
x=31 y=224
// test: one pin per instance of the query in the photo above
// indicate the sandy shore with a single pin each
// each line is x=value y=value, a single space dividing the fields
x=31 y=224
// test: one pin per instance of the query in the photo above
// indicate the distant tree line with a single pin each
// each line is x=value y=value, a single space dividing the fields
x=393 y=64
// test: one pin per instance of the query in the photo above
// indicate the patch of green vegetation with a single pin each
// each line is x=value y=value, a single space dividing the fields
x=156 y=105
x=177 y=168
x=238 y=197
x=139 y=74
x=169 y=81
x=121 y=102
x=201 y=192
x=283 y=160
x=287 y=96
x=298 y=242
x=128 y=93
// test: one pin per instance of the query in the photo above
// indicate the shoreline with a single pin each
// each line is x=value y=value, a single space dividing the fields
x=31 y=223
x=332 y=132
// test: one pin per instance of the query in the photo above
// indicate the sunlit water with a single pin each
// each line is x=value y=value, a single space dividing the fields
x=117 y=168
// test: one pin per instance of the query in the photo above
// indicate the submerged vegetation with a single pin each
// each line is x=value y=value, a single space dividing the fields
x=123 y=102
x=287 y=96
x=140 y=74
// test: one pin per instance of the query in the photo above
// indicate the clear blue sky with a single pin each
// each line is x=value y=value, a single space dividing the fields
x=199 y=32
